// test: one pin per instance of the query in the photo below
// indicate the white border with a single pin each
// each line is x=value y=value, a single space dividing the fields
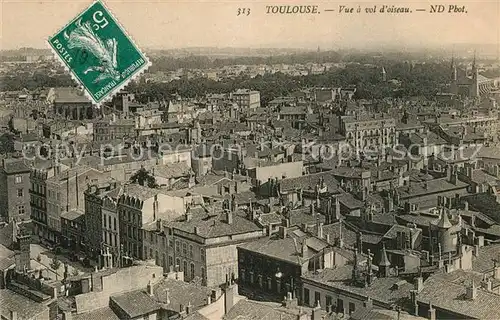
x=108 y=96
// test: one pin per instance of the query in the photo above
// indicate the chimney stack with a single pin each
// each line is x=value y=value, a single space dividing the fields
x=229 y=217
x=304 y=249
x=283 y=232
x=150 y=288
x=431 y=312
x=13 y=315
x=67 y=315
x=316 y=312
x=471 y=291
x=320 y=230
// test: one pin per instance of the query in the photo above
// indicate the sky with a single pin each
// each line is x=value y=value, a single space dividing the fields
x=167 y=24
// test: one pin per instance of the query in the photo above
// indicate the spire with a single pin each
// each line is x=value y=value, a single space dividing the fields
x=444 y=221
x=474 y=67
x=453 y=68
x=384 y=260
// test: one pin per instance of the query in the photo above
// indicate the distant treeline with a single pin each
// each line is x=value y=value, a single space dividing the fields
x=412 y=80
x=166 y=63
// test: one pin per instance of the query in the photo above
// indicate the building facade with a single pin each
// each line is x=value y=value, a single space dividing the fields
x=14 y=190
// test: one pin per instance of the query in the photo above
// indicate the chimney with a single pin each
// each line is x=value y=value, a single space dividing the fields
x=283 y=232
x=149 y=288
x=228 y=298
x=431 y=315
x=368 y=304
x=471 y=291
x=419 y=283
x=496 y=272
x=67 y=315
x=320 y=230
x=304 y=249
x=316 y=312
x=229 y=217
x=13 y=315
x=167 y=296
x=466 y=205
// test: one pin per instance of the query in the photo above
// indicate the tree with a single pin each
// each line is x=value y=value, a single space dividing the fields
x=144 y=177
x=55 y=264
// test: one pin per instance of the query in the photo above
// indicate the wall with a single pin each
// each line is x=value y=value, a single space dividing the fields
x=347 y=298
x=280 y=170
x=126 y=279
x=168 y=207
x=220 y=261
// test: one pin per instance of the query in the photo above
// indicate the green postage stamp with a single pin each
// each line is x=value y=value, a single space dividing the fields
x=98 y=53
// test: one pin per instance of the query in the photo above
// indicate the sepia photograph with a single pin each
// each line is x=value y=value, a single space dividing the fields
x=249 y=160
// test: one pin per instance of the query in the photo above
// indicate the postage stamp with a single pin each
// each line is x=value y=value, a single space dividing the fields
x=98 y=53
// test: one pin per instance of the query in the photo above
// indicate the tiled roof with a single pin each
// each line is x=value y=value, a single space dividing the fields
x=180 y=293
x=450 y=296
x=100 y=314
x=70 y=95
x=418 y=189
x=309 y=182
x=213 y=224
x=173 y=170
x=72 y=215
x=253 y=310
x=140 y=192
x=285 y=249
x=382 y=290
x=11 y=166
x=136 y=303
x=26 y=308
x=483 y=262
x=333 y=230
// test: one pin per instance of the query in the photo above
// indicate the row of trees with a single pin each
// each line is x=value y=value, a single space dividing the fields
x=168 y=63
x=424 y=79
x=415 y=80
x=32 y=82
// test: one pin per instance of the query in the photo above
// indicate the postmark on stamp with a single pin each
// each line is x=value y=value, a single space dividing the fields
x=98 y=53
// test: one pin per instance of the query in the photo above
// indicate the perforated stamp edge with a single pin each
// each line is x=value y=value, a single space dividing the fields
x=108 y=96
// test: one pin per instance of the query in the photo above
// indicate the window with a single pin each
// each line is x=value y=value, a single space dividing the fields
x=352 y=307
x=317 y=297
x=202 y=253
x=114 y=224
x=329 y=301
x=170 y=260
x=185 y=267
x=306 y=297
x=340 y=306
x=20 y=192
x=21 y=210
x=177 y=247
x=192 y=270
x=177 y=262
x=191 y=251
x=19 y=179
x=184 y=249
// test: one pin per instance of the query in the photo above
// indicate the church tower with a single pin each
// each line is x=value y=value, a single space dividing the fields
x=474 y=92
x=453 y=76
